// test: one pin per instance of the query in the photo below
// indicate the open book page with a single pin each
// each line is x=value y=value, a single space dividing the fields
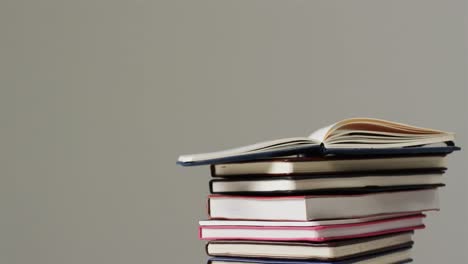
x=379 y=125
x=384 y=144
x=377 y=133
x=320 y=135
x=258 y=147
x=353 y=133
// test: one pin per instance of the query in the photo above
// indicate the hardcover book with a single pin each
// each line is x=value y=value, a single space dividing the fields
x=304 y=208
x=328 y=184
x=396 y=256
x=293 y=232
x=330 y=250
x=328 y=165
x=347 y=137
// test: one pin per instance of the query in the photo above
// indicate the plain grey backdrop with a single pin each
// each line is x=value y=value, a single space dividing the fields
x=98 y=98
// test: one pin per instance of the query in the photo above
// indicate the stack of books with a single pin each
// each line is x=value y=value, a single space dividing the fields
x=353 y=192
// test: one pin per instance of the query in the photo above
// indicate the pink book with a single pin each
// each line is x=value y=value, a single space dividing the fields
x=301 y=231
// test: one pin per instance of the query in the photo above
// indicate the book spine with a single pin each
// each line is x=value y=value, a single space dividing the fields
x=212 y=170
x=211 y=186
x=208 y=211
x=206 y=249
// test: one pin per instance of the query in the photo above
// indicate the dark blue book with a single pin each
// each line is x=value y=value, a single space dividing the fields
x=350 y=137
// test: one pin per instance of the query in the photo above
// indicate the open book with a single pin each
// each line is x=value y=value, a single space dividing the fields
x=354 y=135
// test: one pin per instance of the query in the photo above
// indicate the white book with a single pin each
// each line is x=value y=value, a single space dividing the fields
x=345 y=221
x=304 y=208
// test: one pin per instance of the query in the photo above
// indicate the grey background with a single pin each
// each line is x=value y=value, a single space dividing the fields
x=98 y=98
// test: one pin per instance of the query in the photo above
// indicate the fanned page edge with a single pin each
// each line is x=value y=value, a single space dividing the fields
x=320 y=134
x=381 y=122
x=323 y=133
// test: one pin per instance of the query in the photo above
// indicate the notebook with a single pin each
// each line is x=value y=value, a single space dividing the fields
x=304 y=208
x=327 y=184
x=396 y=256
x=343 y=221
x=330 y=250
x=347 y=137
x=328 y=165
x=293 y=232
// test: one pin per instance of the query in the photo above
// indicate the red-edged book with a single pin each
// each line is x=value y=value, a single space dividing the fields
x=300 y=231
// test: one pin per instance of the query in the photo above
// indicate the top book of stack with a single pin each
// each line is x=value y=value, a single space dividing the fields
x=349 y=137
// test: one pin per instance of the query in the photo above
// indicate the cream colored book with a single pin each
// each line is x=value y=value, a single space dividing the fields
x=331 y=251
